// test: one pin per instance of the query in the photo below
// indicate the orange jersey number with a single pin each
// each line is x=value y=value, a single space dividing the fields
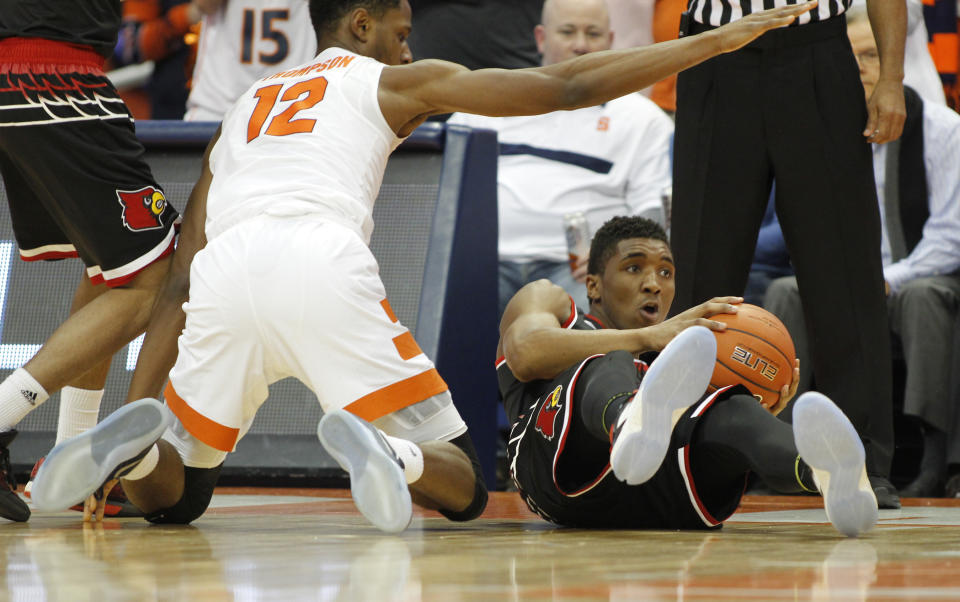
x=284 y=124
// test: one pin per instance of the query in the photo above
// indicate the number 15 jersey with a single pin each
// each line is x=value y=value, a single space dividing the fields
x=311 y=140
x=240 y=43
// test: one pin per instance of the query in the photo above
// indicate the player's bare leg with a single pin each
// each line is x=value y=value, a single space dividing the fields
x=80 y=398
x=97 y=330
x=447 y=481
x=162 y=487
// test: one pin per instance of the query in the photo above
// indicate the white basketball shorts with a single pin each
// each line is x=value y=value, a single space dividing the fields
x=275 y=297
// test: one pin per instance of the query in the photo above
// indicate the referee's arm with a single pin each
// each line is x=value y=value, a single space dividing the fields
x=886 y=111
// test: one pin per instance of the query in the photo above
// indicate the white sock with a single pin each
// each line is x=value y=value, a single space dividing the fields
x=79 y=410
x=20 y=393
x=146 y=465
x=410 y=454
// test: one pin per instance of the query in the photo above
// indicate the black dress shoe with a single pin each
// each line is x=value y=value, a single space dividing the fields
x=927 y=484
x=11 y=506
x=887 y=497
x=952 y=487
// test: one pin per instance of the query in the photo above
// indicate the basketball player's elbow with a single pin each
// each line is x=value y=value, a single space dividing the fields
x=524 y=358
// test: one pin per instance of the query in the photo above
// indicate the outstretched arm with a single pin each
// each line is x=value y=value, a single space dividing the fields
x=410 y=93
x=159 y=351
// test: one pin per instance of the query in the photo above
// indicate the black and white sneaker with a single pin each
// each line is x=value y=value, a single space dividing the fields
x=12 y=506
x=829 y=444
x=79 y=466
x=377 y=482
x=676 y=379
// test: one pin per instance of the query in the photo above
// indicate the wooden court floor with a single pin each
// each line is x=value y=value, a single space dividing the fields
x=311 y=544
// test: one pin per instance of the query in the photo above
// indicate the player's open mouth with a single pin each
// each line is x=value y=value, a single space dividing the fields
x=650 y=310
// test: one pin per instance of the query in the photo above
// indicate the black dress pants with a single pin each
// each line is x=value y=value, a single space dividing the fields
x=790 y=107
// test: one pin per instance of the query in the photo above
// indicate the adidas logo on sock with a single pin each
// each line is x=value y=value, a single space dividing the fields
x=30 y=396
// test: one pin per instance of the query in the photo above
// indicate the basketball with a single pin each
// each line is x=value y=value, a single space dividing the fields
x=755 y=351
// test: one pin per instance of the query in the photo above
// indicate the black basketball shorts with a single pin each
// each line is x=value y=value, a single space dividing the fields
x=74 y=171
x=669 y=500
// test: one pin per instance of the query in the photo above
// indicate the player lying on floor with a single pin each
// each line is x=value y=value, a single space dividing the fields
x=601 y=439
x=284 y=284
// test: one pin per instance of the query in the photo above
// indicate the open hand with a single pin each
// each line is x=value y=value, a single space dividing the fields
x=695 y=316
x=741 y=32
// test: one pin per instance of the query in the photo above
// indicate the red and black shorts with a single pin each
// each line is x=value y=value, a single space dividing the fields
x=74 y=171
x=542 y=462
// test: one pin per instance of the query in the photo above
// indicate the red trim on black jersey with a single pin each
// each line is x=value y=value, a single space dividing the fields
x=706 y=403
x=573 y=314
x=501 y=361
x=596 y=321
x=704 y=513
x=563 y=437
x=121 y=280
x=50 y=255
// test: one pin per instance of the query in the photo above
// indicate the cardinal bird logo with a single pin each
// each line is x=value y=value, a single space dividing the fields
x=142 y=208
x=547 y=418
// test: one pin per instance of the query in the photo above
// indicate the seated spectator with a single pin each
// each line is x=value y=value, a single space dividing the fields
x=602 y=161
x=918 y=187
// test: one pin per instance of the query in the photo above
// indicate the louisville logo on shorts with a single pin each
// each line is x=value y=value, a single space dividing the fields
x=142 y=208
x=547 y=417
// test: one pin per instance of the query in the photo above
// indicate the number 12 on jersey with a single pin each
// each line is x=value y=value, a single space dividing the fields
x=284 y=123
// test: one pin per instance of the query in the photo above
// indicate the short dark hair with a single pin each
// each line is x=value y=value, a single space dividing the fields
x=326 y=14
x=619 y=228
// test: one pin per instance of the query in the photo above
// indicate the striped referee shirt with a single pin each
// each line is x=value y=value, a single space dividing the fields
x=721 y=12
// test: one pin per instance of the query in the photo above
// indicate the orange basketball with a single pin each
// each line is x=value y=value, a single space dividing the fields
x=755 y=351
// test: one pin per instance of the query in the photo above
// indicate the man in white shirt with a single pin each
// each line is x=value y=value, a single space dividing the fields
x=918 y=188
x=607 y=160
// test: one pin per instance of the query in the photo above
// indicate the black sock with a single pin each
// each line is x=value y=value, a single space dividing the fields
x=604 y=387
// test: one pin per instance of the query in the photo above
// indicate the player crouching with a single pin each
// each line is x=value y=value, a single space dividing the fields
x=127 y=445
x=601 y=439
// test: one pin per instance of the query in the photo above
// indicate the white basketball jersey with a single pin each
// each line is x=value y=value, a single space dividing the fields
x=308 y=141
x=242 y=42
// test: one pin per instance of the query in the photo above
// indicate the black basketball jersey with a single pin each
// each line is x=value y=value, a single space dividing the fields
x=517 y=395
x=541 y=413
x=91 y=23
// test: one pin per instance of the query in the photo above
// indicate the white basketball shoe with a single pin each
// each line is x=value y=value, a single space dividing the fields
x=829 y=444
x=79 y=466
x=377 y=483
x=676 y=379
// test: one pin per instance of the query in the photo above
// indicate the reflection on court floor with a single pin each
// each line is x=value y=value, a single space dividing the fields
x=312 y=545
